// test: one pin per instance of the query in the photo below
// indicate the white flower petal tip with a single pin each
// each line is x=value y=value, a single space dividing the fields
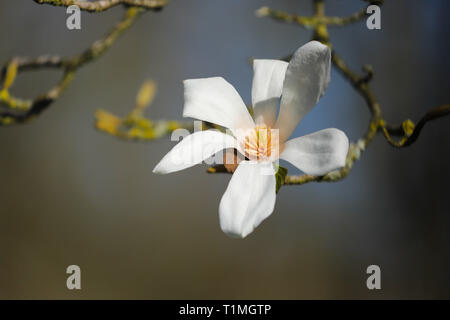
x=317 y=153
x=307 y=78
x=162 y=168
x=216 y=101
x=194 y=149
x=157 y=169
x=249 y=199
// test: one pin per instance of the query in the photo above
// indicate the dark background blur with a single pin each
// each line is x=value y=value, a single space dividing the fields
x=72 y=195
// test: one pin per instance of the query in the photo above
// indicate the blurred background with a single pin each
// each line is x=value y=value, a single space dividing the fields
x=72 y=195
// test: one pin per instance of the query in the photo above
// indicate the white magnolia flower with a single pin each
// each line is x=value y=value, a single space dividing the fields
x=250 y=196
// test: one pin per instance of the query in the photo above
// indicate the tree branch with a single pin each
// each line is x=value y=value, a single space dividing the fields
x=320 y=23
x=410 y=132
x=103 y=5
x=311 y=22
x=20 y=110
x=135 y=126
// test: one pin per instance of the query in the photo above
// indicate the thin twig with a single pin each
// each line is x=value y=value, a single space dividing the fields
x=135 y=126
x=103 y=5
x=410 y=132
x=311 y=22
x=69 y=65
x=320 y=23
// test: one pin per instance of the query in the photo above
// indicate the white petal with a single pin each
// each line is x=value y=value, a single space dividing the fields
x=317 y=153
x=216 y=101
x=193 y=149
x=248 y=200
x=268 y=78
x=307 y=78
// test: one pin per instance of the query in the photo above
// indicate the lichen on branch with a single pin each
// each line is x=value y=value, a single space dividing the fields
x=19 y=110
x=103 y=5
x=135 y=126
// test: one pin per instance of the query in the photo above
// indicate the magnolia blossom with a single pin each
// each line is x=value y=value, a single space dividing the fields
x=262 y=139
